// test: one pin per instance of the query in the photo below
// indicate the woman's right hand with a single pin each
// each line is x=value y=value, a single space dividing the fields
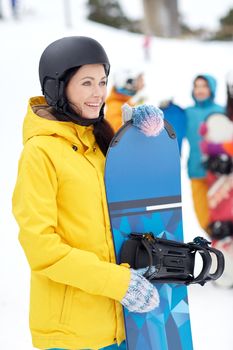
x=141 y=295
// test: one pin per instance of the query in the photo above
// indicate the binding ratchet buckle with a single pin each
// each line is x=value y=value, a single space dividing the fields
x=169 y=261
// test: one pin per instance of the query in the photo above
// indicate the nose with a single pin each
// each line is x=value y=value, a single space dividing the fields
x=97 y=91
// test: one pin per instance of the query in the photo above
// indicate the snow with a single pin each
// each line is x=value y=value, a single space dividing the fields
x=173 y=65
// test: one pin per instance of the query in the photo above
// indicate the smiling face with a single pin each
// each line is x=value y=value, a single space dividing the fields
x=87 y=89
x=201 y=90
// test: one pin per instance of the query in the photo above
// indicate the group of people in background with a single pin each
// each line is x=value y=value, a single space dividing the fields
x=128 y=86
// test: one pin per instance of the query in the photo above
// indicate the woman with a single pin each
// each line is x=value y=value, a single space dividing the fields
x=204 y=88
x=59 y=203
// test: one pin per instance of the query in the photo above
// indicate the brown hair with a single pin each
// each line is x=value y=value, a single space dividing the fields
x=103 y=134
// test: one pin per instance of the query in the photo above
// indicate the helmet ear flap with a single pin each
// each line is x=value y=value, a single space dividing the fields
x=53 y=90
x=49 y=90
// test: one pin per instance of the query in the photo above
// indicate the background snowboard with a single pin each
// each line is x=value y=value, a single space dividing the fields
x=142 y=178
x=217 y=144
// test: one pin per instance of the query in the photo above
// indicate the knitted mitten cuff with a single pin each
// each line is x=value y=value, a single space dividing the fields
x=141 y=295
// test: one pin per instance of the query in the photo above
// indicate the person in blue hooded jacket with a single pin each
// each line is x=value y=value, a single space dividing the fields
x=204 y=89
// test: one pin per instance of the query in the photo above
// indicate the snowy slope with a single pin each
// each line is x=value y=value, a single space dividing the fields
x=174 y=64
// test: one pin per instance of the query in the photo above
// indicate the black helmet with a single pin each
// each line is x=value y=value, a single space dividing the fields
x=62 y=55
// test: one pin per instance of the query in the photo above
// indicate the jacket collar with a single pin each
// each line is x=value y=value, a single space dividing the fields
x=39 y=121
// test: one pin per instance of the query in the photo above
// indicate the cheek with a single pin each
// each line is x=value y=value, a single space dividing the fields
x=75 y=95
x=195 y=91
x=207 y=92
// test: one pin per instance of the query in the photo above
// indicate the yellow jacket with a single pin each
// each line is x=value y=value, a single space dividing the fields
x=60 y=205
x=113 y=114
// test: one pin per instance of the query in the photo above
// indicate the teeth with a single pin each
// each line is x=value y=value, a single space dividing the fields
x=93 y=104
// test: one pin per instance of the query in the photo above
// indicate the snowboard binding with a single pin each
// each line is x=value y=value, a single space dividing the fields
x=220 y=229
x=169 y=261
x=220 y=164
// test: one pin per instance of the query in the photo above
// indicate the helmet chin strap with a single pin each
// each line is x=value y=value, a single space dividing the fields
x=68 y=114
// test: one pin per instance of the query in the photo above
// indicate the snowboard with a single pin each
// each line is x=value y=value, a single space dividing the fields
x=143 y=188
x=217 y=149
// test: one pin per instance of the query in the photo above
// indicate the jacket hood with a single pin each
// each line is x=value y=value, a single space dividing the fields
x=117 y=96
x=212 y=83
x=39 y=121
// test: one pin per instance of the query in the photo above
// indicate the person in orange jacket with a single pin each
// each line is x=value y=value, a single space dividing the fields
x=59 y=202
x=128 y=87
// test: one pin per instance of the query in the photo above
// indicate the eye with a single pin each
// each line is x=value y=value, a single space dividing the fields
x=87 y=83
x=103 y=83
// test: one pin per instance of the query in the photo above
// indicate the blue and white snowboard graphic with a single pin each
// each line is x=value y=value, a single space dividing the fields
x=142 y=178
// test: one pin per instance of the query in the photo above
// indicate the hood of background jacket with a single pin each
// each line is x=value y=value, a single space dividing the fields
x=212 y=83
x=117 y=96
x=113 y=112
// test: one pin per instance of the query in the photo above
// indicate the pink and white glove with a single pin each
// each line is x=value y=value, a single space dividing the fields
x=212 y=149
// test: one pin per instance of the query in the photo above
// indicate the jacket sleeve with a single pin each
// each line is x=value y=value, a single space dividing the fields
x=35 y=210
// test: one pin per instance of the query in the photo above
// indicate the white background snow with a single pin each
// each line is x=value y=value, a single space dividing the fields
x=173 y=65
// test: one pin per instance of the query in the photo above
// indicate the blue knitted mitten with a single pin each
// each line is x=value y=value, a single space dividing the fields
x=141 y=295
